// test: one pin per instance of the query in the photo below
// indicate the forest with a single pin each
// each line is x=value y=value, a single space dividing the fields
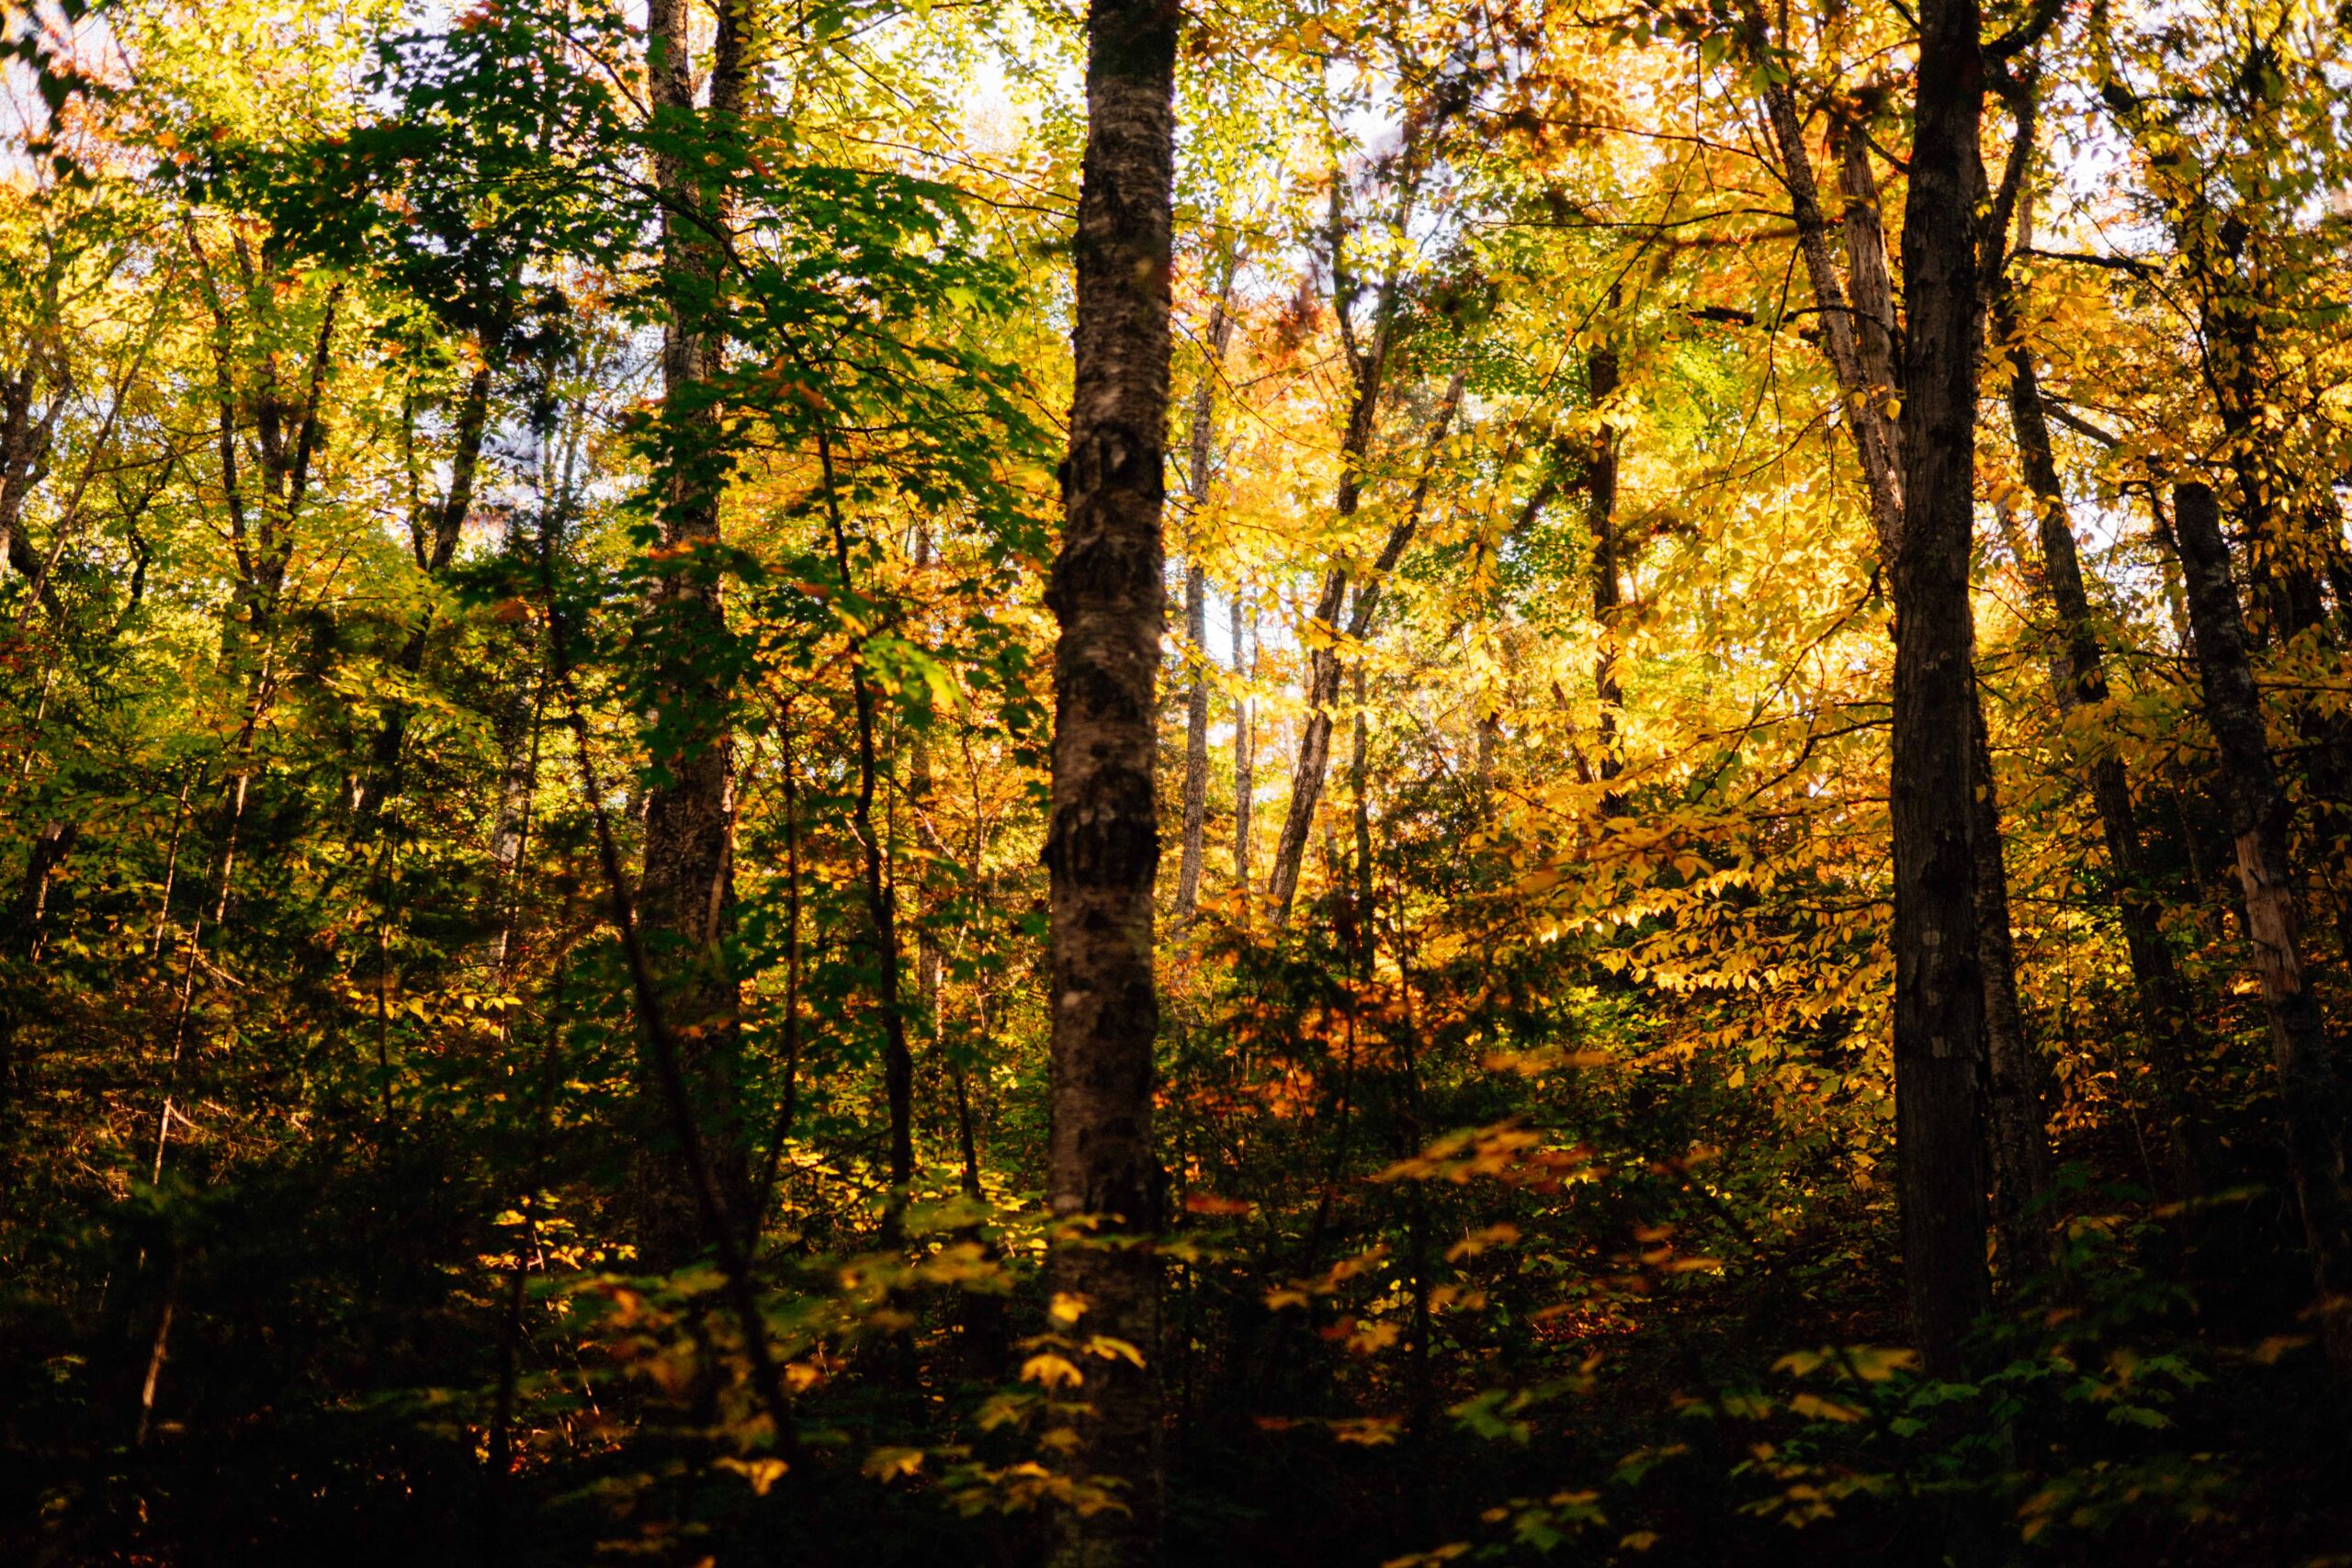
x=890 y=783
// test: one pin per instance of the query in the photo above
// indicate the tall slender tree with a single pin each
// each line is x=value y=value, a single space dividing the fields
x=1102 y=839
x=1939 y=986
x=1203 y=438
x=1601 y=510
x=2079 y=681
x=2309 y=1097
x=1859 y=339
x=685 y=894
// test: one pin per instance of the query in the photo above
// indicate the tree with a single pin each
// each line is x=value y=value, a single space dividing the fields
x=1939 y=984
x=2310 y=1098
x=1102 y=843
x=686 y=887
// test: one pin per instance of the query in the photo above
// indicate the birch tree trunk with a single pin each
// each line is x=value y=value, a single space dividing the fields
x=1102 y=839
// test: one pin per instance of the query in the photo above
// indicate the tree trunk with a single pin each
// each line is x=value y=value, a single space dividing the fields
x=1196 y=745
x=686 y=894
x=1103 y=839
x=2018 y=1129
x=1359 y=788
x=1873 y=289
x=1866 y=415
x=1197 y=704
x=1245 y=758
x=2309 y=1095
x=930 y=957
x=2078 y=679
x=24 y=442
x=1323 y=663
x=1940 y=996
x=1314 y=754
x=1369 y=366
x=434 y=535
x=1872 y=366
x=1600 y=509
x=880 y=891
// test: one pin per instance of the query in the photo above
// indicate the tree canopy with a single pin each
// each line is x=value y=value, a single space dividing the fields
x=841 y=782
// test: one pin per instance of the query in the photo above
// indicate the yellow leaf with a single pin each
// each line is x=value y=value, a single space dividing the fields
x=761 y=1474
x=1052 y=1370
x=1367 y=1431
x=886 y=1464
x=1102 y=1345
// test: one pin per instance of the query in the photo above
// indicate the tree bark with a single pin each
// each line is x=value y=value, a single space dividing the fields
x=1103 y=838
x=1875 y=348
x=25 y=440
x=2310 y=1097
x=1872 y=364
x=686 y=892
x=931 y=958
x=1939 y=1003
x=1866 y=415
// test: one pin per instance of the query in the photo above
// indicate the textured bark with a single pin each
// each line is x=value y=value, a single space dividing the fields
x=1103 y=839
x=685 y=892
x=1940 y=996
x=25 y=440
x=1873 y=366
x=1866 y=418
x=1872 y=288
x=1202 y=435
x=1323 y=662
x=2309 y=1097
